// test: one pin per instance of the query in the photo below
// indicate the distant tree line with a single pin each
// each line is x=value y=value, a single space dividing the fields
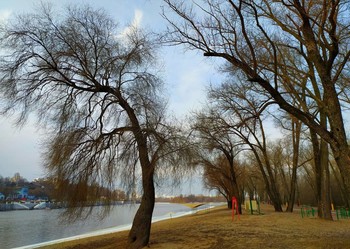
x=191 y=198
x=46 y=188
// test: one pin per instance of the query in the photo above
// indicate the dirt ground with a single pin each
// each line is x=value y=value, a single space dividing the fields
x=216 y=229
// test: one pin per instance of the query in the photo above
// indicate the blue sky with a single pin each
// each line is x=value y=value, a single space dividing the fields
x=186 y=74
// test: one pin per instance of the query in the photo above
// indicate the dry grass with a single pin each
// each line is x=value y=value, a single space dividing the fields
x=215 y=229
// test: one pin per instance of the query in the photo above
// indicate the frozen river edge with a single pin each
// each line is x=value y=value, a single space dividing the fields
x=120 y=228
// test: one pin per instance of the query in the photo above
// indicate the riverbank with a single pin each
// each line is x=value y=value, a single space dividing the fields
x=15 y=206
x=40 y=227
x=215 y=229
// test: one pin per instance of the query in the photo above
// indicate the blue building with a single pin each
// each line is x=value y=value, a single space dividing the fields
x=22 y=193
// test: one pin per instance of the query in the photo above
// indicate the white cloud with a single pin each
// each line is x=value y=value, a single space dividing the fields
x=4 y=15
x=190 y=89
x=137 y=18
x=135 y=24
x=187 y=77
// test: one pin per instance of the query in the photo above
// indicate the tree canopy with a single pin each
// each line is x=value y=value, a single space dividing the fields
x=94 y=87
x=297 y=52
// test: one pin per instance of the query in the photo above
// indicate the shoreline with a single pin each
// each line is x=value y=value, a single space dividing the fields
x=215 y=229
x=78 y=237
x=121 y=228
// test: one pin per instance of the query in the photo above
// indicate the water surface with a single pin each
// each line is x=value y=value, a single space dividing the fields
x=28 y=227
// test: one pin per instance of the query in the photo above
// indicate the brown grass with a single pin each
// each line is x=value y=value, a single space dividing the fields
x=215 y=229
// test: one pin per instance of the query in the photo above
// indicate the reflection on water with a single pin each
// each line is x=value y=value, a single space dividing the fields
x=20 y=228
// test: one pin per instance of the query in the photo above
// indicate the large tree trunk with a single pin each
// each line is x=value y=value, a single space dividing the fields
x=342 y=159
x=141 y=227
x=324 y=200
x=340 y=183
x=293 y=186
x=296 y=126
x=270 y=184
x=320 y=150
x=235 y=190
x=340 y=147
x=274 y=193
x=276 y=201
x=229 y=203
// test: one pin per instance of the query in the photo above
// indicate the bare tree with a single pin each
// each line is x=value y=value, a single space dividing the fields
x=292 y=140
x=306 y=94
x=217 y=175
x=243 y=107
x=94 y=89
x=254 y=37
x=217 y=152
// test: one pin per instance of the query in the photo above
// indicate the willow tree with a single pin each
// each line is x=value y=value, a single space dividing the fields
x=93 y=87
x=217 y=153
x=253 y=36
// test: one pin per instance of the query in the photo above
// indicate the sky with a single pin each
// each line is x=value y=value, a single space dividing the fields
x=185 y=73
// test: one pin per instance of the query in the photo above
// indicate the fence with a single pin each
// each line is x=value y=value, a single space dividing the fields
x=339 y=213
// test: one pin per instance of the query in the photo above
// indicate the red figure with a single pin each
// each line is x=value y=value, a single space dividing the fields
x=234 y=205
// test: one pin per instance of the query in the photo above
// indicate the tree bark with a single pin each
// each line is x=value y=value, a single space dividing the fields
x=276 y=201
x=235 y=192
x=271 y=187
x=320 y=150
x=332 y=108
x=229 y=203
x=324 y=206
x=293 y=186
x=339 y=181
x=324 y=200
x=342 y=158
x=141 y=227
x=296 y=126
x=274 y=193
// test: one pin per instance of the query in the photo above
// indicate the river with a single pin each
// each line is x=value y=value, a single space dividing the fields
x=28 y=227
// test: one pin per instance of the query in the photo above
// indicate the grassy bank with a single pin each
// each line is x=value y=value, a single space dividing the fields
x=215 y=229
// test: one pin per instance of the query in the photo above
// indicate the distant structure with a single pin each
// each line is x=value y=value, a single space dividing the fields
x=22 y=193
